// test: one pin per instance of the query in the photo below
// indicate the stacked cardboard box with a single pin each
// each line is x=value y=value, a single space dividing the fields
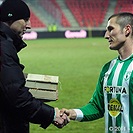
x=44 y=87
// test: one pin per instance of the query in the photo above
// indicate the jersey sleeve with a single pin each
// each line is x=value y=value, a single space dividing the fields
x=95 y=108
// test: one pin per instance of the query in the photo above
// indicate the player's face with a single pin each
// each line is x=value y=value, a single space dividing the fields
x=20 y=26
x=114 y=34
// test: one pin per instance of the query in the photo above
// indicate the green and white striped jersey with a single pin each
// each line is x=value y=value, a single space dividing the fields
x=113 y=97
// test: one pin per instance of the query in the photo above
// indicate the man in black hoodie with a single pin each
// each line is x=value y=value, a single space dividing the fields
x=17 y=106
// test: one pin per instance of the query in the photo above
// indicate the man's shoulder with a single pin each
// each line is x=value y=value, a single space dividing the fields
x=108 y=65
x=111 y=61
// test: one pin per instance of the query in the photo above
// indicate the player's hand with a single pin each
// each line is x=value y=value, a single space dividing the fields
x=69 y=112
x=61 y=119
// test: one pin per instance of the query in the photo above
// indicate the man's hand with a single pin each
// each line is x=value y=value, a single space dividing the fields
x=69 y=112
x=60 y=119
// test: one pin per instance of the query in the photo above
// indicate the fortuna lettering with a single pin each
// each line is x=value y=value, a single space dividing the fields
x=117 y=89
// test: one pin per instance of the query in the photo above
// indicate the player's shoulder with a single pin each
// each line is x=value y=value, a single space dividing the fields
x=109 y=63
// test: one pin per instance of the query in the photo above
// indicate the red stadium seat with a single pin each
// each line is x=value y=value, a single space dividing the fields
x=124 y=6
x=35 y=21
x=53 y=5
x=87 y=12
x=64 y=20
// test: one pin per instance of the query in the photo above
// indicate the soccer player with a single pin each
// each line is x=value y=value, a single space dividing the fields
x=113 y=96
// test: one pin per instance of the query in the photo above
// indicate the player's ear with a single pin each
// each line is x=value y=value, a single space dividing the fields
x=128 y=29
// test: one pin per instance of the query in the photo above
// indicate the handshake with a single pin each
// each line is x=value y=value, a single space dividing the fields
x=63 y=117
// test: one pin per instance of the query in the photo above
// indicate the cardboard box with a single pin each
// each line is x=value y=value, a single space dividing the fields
x=43 y=87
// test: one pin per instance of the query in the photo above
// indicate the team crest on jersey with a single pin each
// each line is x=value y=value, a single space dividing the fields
x=114 y=107
x=127 y=75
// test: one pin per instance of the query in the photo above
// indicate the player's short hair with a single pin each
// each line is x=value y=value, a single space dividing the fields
x=123 y=19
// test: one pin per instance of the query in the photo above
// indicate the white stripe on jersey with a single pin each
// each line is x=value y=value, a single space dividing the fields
x=114 y=83
x=105 y=95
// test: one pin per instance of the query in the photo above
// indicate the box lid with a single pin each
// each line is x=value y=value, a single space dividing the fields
x=42 y=78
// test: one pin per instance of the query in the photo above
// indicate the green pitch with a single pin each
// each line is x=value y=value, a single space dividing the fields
x=77 y=62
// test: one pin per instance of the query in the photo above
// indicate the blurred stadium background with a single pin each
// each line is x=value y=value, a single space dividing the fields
x=75 y=14
x=65 y=15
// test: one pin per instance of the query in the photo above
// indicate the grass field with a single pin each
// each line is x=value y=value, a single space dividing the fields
x=77 y=62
